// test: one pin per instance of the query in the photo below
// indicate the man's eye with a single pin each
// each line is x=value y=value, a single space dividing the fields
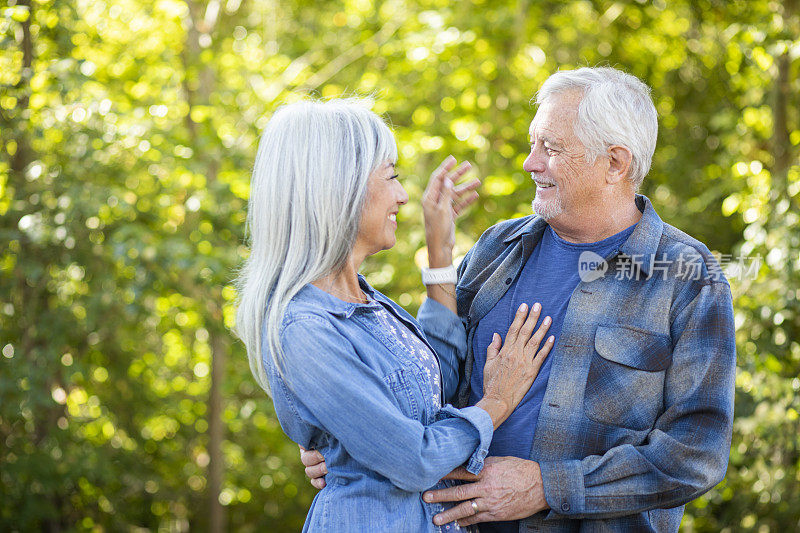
x=394 y=176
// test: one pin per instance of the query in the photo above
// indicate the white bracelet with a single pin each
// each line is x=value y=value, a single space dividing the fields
x=438 y=276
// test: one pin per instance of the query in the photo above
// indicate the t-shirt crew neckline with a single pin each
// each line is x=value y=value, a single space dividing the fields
x=563 y=243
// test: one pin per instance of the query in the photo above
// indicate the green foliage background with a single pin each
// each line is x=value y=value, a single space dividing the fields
x=127 y=132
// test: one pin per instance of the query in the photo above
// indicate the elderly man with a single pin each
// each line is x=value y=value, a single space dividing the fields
x=630 y=416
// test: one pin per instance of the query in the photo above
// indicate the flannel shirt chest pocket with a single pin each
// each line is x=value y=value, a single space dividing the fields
x=625 y=385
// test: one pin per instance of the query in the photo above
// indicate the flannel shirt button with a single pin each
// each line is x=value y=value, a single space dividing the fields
x=565 y=507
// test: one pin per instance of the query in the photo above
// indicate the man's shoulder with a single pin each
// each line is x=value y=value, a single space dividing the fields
x=678 y=247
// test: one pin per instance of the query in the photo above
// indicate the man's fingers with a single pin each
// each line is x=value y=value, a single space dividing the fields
x=452 y=494
x=461 y=473
x=462 y=510
x=318 y=483
x=475 y=519
x=310 y=457
x=316 y=471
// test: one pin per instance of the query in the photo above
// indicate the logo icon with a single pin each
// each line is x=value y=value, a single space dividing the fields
x=591 y=266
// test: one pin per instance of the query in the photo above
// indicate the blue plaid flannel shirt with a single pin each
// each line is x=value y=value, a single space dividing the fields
x=637 y=416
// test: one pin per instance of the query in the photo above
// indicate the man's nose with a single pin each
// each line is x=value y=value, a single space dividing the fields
x=533 y=163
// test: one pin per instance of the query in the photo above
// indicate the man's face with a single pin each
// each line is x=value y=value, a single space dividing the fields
x=566 y=184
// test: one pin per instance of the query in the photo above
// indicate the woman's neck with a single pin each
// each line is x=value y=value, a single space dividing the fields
x=343 y=284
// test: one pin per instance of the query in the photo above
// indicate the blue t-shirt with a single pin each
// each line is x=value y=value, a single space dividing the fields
x=549 y=277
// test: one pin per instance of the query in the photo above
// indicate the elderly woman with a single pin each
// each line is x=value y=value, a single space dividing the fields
x=351 y=374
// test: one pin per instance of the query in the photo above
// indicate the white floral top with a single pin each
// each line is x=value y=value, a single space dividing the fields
x=426 y=360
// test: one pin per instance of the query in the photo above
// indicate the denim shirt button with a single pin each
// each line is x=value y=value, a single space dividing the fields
x=342 y=481
x=565 y=507
x=508 y=281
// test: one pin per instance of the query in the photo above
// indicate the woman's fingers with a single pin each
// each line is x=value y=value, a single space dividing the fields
x=519 y=319
x=535 y=340
x=526 y=330
x=449 y=195
x=438 y=177
x=494 y=347
x=541 y=355
x=464 y=188
x=461 y=204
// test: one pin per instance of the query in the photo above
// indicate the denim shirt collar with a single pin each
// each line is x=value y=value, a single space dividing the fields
x=642 y=243
x=333 y=305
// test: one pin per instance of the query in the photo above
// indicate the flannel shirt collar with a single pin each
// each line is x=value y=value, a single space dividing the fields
x=642 y=243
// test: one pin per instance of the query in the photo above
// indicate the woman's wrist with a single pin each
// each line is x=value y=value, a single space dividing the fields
x=497 y=409
x=440 y=257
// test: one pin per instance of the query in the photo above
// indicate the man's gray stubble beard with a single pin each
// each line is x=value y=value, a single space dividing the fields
x=548 y=210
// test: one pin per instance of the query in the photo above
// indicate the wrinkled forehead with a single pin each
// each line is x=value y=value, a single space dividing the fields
x=555 y=116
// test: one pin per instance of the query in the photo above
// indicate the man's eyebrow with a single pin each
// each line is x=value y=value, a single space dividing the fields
x=545 y=139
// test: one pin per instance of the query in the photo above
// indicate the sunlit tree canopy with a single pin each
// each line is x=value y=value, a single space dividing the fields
x=128 y=130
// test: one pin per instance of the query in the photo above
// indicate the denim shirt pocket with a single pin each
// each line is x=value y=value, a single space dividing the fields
x=625 y=385
x=400 y=382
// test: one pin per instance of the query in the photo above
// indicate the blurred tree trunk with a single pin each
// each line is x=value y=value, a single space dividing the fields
x=22 y=157
x=31 y=300
x=199 y=81
x=781 y=145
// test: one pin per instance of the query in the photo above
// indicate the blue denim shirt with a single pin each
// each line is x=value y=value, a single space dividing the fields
x=351 y=390
x=637 y=415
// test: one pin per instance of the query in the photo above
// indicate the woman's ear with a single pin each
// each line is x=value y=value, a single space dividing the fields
x=619 y=163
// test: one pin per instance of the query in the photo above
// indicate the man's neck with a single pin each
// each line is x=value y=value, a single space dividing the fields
x=596 y=224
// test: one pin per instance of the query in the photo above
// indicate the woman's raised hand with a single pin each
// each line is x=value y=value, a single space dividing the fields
x=442 y=202
x=512 y=366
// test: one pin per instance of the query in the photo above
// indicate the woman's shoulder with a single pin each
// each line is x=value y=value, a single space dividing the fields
x=306 y=312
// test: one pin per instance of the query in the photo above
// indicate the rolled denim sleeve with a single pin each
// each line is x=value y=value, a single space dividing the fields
x=350 y=400
x=686 y=452
x=445 y=332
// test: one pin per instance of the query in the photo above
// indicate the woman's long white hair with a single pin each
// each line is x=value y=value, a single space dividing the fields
x=306 y=196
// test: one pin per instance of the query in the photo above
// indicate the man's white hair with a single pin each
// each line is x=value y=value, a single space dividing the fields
x=615 y=108
x=306 y=196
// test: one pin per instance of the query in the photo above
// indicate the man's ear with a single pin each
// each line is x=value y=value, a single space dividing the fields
x=619 y=163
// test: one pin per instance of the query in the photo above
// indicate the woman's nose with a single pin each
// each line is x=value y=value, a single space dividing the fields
x=402 y=198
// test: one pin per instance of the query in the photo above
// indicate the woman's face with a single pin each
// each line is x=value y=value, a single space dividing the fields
x=378 y=223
